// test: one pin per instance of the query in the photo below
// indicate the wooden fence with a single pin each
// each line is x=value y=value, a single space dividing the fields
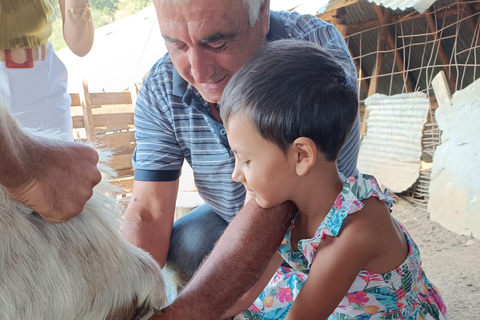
x=107 y=119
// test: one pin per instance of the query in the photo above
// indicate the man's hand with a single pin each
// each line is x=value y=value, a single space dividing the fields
x=54 y=178
x=236 y=263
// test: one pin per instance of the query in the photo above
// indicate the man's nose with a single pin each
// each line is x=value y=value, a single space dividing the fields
x=201 y=64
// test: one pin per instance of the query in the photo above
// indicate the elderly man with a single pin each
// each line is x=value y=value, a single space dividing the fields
x=177 y=118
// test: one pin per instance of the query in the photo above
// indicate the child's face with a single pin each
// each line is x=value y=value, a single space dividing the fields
x=266 y=172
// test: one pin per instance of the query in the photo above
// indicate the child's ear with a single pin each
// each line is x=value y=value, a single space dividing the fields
x=305 y=152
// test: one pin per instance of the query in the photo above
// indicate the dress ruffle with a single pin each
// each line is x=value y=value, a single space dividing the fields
x=355 y=189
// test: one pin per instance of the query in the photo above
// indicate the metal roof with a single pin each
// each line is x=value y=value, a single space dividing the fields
x=416 y=46
x=419 y=5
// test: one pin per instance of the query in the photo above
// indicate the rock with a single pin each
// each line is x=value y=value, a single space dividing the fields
x=470 y=242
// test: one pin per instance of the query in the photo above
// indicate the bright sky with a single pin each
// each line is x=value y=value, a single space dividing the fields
x=302 y=6
x=125 y=50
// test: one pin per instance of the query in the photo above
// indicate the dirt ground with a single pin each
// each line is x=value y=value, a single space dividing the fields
x=451 y=261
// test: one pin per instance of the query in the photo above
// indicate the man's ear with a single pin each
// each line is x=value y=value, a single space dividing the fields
x=264 y=16
x=305 y=153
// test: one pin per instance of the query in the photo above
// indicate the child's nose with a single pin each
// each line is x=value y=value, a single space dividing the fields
x=237 y=174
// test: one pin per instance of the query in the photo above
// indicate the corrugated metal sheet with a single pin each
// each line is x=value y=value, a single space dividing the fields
x=419 y=5
x=392 y=148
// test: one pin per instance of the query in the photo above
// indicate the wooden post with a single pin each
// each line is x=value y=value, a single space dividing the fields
x=87 y=111
x=361 y=74
x=433 y=28
x=472 y=18
x=392 y=42
x=342 y=28
x=134 y=93
x=384 y=18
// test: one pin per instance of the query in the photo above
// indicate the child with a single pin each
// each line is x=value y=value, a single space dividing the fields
x=287 y=113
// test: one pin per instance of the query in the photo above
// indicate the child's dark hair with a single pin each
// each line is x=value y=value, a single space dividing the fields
x=292 y=89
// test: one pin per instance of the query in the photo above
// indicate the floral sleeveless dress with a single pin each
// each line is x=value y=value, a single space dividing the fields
x=403 y=293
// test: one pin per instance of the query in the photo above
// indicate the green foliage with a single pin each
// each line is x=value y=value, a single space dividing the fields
x=106 y=6
x=56 y=38
x=103 y=13
x=99 y=18
x=133 y=5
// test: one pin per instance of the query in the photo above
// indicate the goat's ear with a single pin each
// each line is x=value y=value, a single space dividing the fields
x=126 y=312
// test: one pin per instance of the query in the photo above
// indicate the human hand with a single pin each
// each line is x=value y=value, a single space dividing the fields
x=56 y=178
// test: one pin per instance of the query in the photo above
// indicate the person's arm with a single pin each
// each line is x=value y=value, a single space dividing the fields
x=249 y=297
x=149 y=217
x=78 y=28
x=338 y=261
x=236 y=263
x=54 y=178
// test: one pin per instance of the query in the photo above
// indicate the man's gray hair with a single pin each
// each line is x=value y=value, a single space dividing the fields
x=253 y=7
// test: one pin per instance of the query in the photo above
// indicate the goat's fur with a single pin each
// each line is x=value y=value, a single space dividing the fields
x=79 y=269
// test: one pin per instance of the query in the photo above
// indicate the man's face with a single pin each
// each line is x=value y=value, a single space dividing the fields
x=209 y=40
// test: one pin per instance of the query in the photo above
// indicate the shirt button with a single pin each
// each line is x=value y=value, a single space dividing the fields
x=222 y=132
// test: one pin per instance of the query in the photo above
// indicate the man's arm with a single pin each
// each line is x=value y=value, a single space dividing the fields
x=149 y=217
x=236 y=263
x=54 y=178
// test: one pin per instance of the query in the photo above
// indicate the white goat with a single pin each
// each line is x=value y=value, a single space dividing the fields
x=80 y=269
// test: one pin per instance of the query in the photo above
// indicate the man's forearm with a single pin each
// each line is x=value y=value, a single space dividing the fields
x=150 y=235
x=148 y=220
x=235 y=264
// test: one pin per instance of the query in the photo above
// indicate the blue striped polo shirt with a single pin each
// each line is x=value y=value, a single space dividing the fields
x=173 y=122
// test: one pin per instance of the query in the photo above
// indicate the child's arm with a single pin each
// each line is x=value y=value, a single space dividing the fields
x=249 y=297
x=338 y=262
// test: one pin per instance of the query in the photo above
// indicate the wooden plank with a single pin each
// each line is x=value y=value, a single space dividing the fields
x=441 y=52
x=440 y=87
x=107 y=98
x=125 y=149
x=113 y=120
x=116 y=129
x=78 y=122
x=121 y=162
x=87 y=111
x=106 y=122
x=75 y=100
x=125 y=173
x=126 y=183
x=117 y=140
x=114 y=108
